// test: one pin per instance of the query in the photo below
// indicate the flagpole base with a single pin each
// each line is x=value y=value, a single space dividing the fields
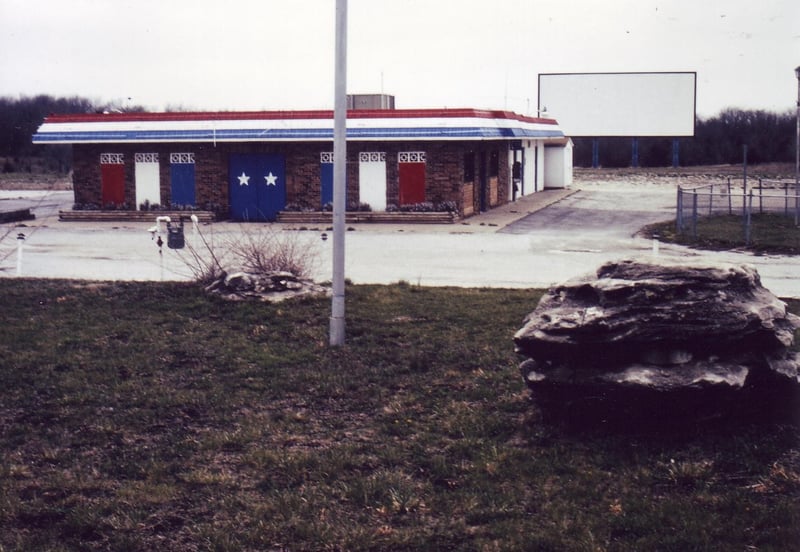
x=337 y=331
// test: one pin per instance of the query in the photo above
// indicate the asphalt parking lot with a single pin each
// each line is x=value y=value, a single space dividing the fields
x=537 y=241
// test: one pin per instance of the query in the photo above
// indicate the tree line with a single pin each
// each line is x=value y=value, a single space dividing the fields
x=769 y=137
x=718 y=140
x=21 y=117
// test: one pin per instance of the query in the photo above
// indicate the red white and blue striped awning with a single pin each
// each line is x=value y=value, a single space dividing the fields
x=294 y=126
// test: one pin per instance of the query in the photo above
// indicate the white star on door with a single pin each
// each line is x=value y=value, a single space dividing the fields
x=271 y=179
x=244 y=180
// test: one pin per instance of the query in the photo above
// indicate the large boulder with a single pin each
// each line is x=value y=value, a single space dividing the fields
x=661 y=340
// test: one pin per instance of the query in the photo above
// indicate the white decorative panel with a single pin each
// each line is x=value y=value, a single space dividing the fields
x=146 y=158
x=326 y=157
x=181 y=158
x=112 y=159
x=411 y=157
x=372 y=157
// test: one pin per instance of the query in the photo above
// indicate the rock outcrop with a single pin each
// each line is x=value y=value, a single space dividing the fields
x=641 y=340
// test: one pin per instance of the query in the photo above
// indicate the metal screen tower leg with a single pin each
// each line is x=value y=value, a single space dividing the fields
x=676 y=148
x=339 y=175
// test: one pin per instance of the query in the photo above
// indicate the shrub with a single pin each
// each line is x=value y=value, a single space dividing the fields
x=181 y=207
x=359 y=207
x=424 y=207
x=258 y=250
x=213 y=207
x=300 y=207
x=264 y=250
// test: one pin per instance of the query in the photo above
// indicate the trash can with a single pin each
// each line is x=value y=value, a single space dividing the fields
x=175 y=239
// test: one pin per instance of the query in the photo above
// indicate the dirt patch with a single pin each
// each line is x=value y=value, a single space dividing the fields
x=35 y=181
x=679 y=176
x=765 y=170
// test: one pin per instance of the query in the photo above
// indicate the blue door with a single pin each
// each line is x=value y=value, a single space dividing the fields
x=257 y=186
x=182 y=184
x=326 y=176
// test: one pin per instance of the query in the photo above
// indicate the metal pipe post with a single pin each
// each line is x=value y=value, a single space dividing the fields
x=730 y=200
x=744 y=166
x=786 y=200
x=747 y=220
x=337 y=325
x=711 y=199
x=797 y=146
x=20 y=241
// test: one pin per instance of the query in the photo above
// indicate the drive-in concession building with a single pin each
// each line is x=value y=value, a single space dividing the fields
x=255 y=165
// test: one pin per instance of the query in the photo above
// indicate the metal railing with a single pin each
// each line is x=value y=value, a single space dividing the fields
x=733 y=197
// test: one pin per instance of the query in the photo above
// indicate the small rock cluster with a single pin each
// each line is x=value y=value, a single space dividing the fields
x=271 y=286
x=667 y=340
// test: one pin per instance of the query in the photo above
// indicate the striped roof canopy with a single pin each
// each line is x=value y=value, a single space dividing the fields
x=294 y=126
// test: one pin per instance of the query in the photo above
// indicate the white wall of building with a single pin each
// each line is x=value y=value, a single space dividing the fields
x=542 y=167
x=541 y=181
x=558 y=166
x=532 y=159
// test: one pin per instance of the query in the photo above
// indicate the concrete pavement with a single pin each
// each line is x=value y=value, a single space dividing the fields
x=538 y=241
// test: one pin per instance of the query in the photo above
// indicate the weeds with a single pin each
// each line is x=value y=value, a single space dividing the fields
x=254 y=249
x=265 y=250
x=205 y=260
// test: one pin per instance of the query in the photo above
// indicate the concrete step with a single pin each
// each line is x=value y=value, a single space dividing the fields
x=16 y=215
x=319 y=217
x=133 y=216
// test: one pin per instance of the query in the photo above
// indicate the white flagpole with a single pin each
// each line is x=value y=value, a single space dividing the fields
x=339 y=174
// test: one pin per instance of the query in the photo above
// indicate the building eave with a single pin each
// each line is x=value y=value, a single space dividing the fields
x=293 y=126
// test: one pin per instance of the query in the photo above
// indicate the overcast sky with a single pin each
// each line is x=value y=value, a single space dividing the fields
x=278 y=54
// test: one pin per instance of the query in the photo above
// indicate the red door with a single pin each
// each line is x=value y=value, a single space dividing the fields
x=411 y=175
x=112 y=179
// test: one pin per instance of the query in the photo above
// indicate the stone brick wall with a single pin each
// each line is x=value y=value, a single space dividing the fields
x=86 y=173
x=444 y=170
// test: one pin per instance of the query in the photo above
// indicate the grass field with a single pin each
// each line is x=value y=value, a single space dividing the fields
x=143 y=416
x=769 y=233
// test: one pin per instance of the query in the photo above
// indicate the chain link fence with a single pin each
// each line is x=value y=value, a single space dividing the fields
x=733 y=198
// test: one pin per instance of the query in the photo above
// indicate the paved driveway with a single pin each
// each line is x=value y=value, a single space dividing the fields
x=619 y=213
